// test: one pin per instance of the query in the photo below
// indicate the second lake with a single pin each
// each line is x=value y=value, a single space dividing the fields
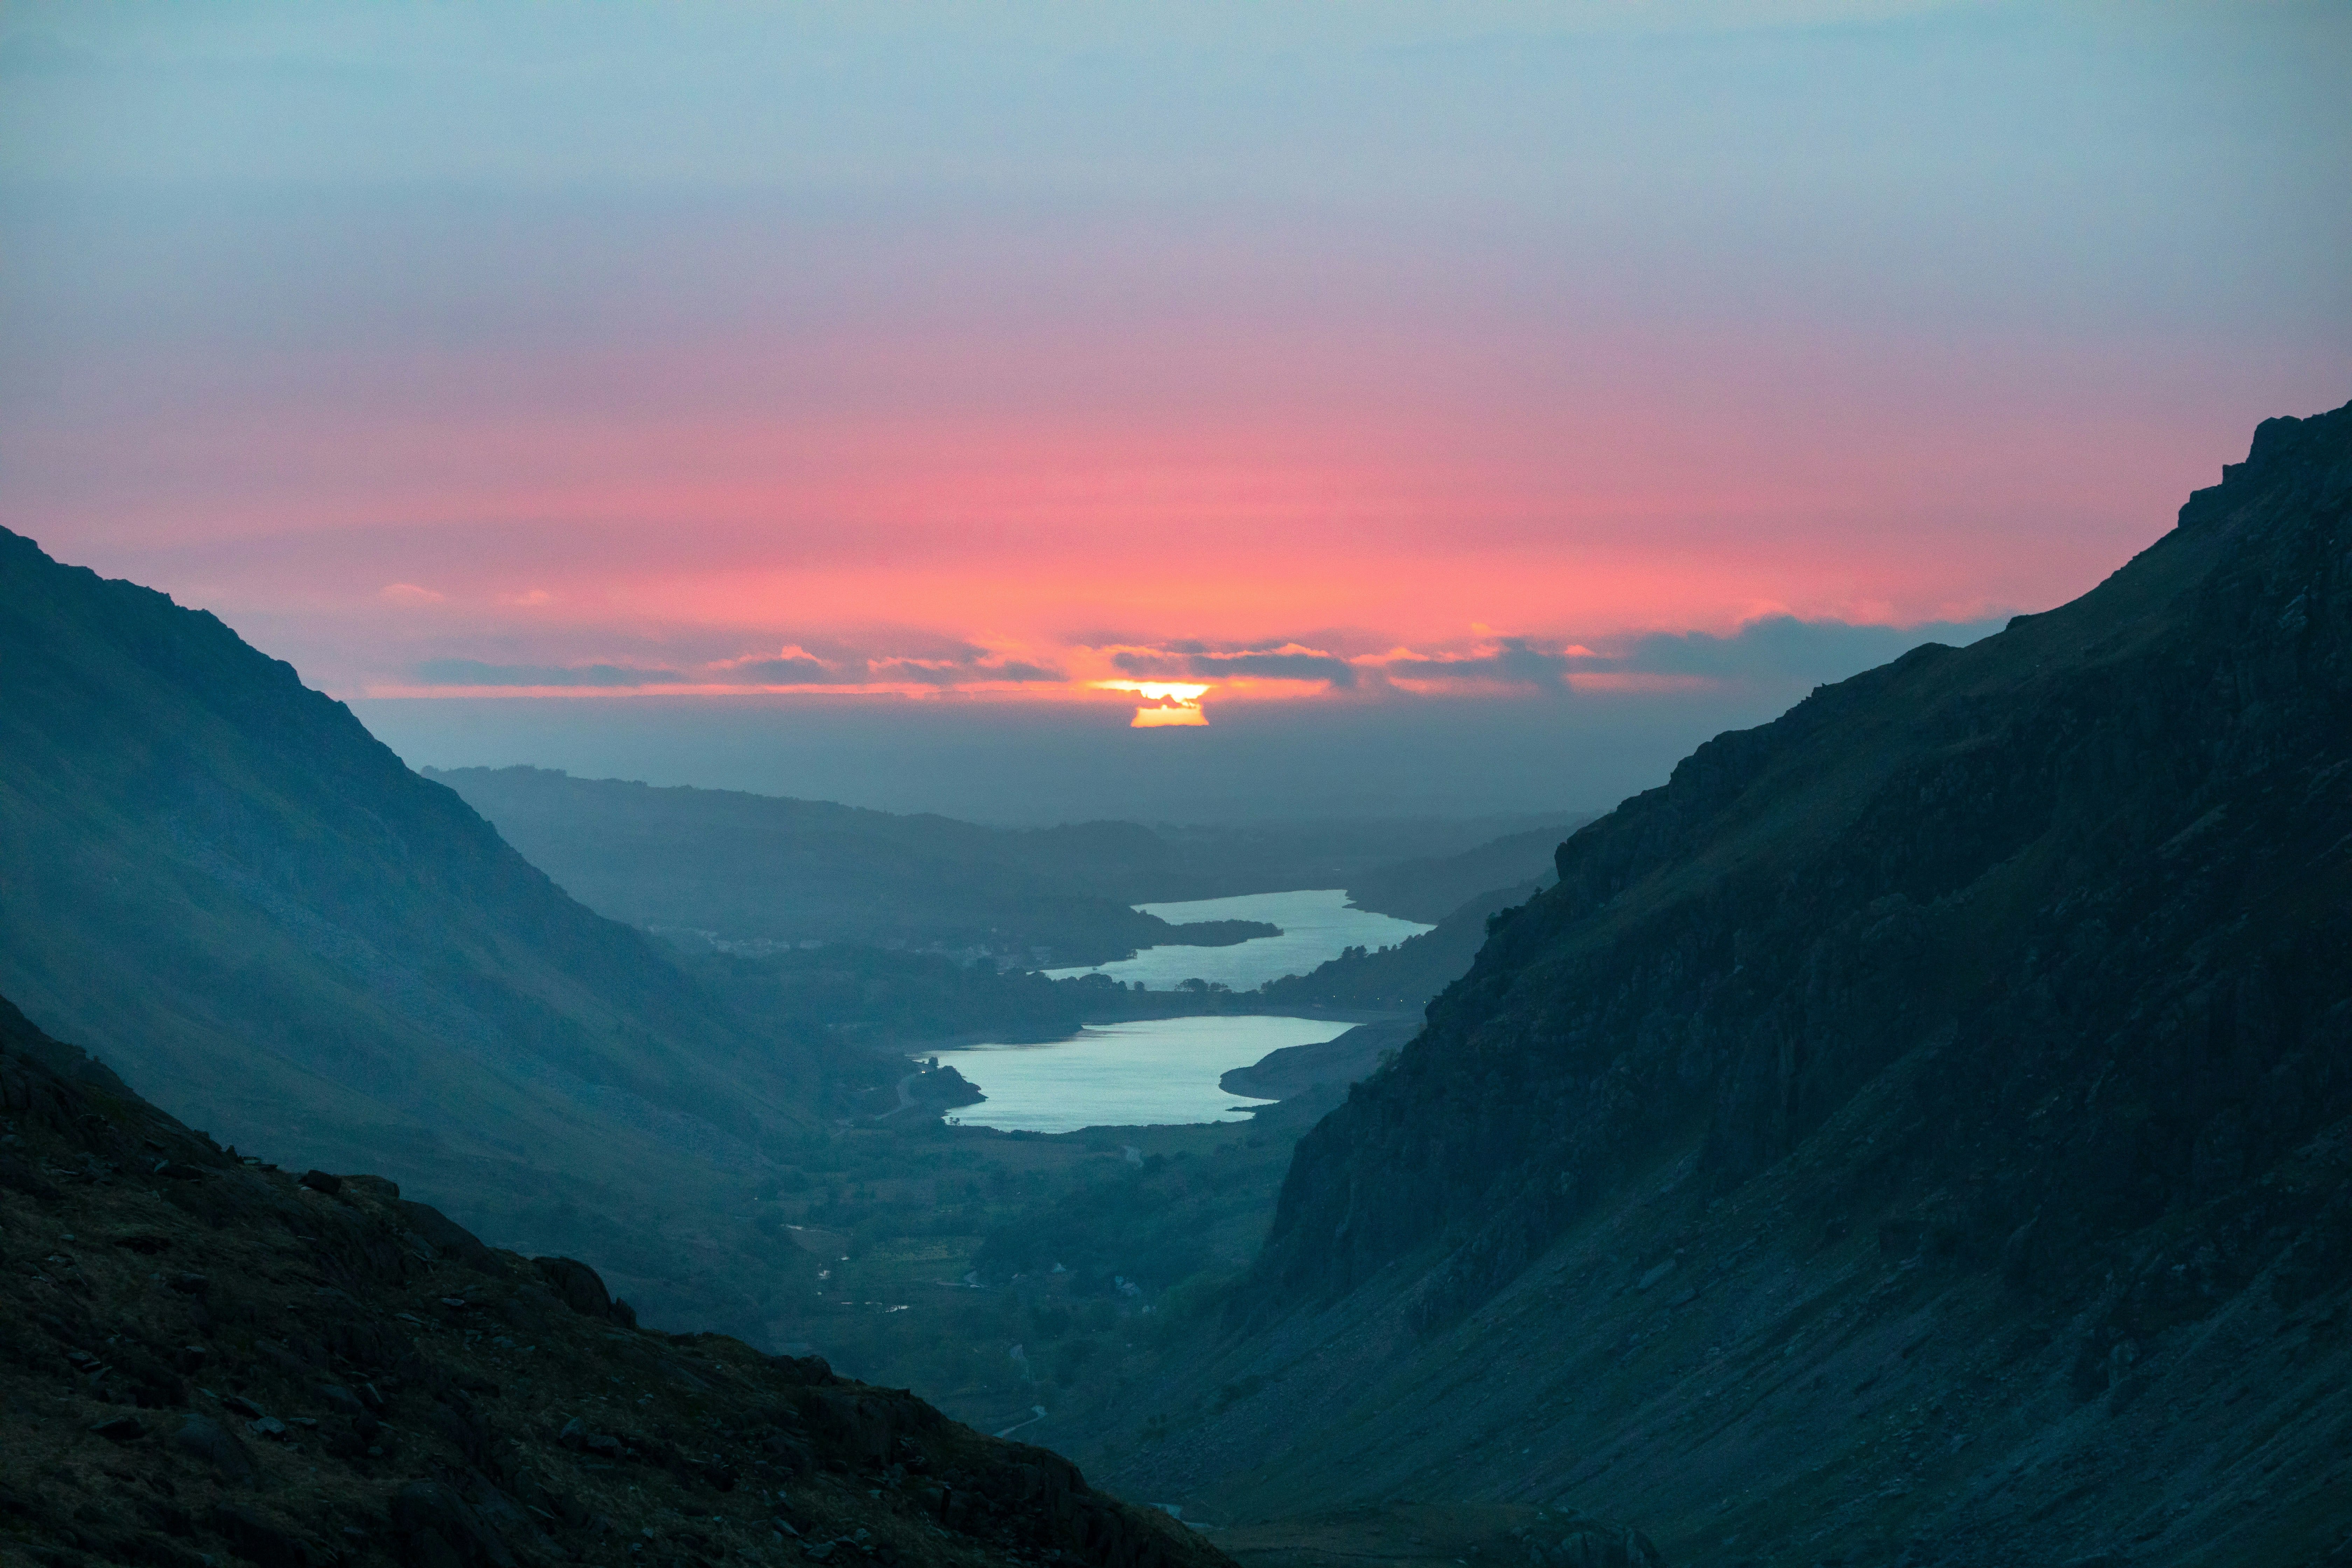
x=1316 y=923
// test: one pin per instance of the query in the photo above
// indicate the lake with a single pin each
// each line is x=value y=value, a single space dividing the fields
x=1157 y=1072
x=1316 y=924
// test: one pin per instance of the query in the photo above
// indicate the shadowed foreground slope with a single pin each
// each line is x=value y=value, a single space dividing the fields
x=206 y=1359
x=1919 y=1132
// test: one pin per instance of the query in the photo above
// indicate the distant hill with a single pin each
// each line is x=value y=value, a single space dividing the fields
x=1408 y=976
x=221 y=884
x=1920 y=1131
x=768 y=869
x=1457 y=895
x=1430 y=888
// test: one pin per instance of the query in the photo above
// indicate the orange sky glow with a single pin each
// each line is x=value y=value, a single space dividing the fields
x=1468 y=367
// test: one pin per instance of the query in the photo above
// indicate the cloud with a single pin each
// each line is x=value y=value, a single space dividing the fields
x=957 y=671
x=1773 y=650
x=474 y=673
x=1513 y=661
x=1769 y=654
x=791 y=664
x=1269 y=661
x=1151 y=662
x=796 y=665
x=1285 y=664
x=409 y=593
x=1017 y=670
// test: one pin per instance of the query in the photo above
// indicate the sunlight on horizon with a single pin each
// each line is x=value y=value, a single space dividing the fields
x=1165 y=702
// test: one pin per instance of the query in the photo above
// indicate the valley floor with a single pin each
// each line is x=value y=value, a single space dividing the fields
x=933 y=1252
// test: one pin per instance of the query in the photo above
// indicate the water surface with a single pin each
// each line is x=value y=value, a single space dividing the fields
x=1158 y=1072
x=1316 y=924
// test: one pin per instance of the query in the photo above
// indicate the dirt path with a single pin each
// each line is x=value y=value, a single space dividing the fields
x=905 y=1099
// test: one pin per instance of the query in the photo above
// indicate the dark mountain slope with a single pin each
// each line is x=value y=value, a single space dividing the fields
x=207 y=1360
x=1919 y=1130
x=218 y=881
x=2117 y=816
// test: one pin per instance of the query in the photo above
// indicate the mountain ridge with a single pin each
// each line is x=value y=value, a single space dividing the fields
x=1625 y=868
x=218 y=881
x=777 y=871
x=1918 y=1132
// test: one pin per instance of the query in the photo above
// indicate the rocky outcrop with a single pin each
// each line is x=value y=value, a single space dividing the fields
x=209 y=1359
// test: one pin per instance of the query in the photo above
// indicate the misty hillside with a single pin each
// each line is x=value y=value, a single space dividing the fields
x=768 y=868
x=1432 y=888
x=1919 y=1132
x=765 y=868
x=218 y=882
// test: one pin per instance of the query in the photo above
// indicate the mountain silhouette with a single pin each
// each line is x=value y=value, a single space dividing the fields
x=1917 y=1132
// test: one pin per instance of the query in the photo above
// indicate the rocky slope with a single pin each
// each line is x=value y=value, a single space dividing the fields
x=208 y=1359
x=218 y=881
x=1917 y=1132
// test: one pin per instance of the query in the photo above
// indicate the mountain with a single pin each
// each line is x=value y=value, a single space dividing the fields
x=771 y=871
x=1460 y=896
x=209 y=1359
x=219 y=882
x=1408 y=974
x=767 y=871
x=1429 y=888
x=1920 y=1131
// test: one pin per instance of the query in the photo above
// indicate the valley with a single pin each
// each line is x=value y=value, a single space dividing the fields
x=1211 y=785
x=1916 y=1133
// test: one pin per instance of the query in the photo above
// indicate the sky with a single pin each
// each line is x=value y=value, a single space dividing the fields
x=1185 y=411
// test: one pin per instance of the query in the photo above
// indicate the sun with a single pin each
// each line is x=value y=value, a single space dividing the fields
x=1165 y=702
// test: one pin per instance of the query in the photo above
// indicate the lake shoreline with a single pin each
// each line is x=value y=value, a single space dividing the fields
x=1153 y=1006
x=1148 y=1073
x=1310 y=927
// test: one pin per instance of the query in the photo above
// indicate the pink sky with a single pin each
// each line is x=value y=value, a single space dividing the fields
x=1394 y=358
x=1047 y=496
